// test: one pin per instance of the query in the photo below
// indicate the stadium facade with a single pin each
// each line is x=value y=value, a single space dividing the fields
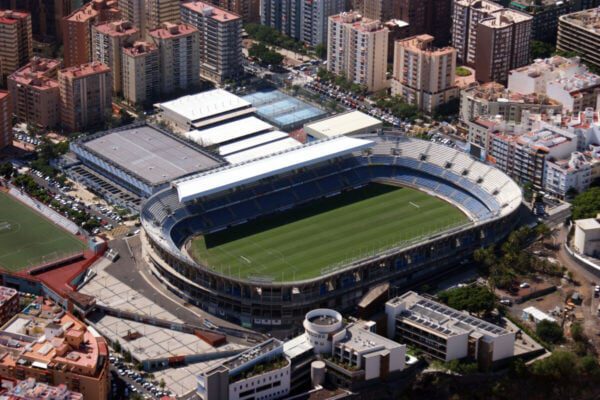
x=224 y=197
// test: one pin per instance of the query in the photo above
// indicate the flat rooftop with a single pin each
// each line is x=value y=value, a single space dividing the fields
x=228 y=132
x=353 y=121
x=152 y=155
x=205 y=105
x=263 y=150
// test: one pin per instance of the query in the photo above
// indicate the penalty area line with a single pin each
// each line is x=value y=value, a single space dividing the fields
x=414 y=205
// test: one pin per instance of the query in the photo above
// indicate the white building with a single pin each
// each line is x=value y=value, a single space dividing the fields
x=567 y=81
x=562 y=176
x=535 y=315
x=204 y=110
x=587 y=237
x=350 y=123
x=445 y=333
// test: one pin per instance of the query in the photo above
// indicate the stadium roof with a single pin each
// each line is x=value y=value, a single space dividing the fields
x=264 y=150
x=229 y=131
x=353 y=122
x=148 y=153
x=254 y=141
x=205 y=105
x=227 y=177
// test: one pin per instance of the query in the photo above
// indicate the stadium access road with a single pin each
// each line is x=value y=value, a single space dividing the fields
x=131 y=269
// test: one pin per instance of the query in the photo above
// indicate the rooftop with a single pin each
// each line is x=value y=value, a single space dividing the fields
x=40 y=72
x=505 y=17
x=140 y=48
x=342 y=124
x=116 y=28
x=588 y=224
x=424 y=43
x=586 y=19
x=361 y=340
x=493 y=91
x=205 y=105
x=209 y=10
x=227 y=132
x=6 y=294
x=252 y=142
x=254 y=353
x=171 y=31
x=230 y=176
x=265 y=149
x=443 y=319
x=92 y=9
x=30 y=389
x=11 y=17
x=83 y=70
x=149 y=153
x=358 y=22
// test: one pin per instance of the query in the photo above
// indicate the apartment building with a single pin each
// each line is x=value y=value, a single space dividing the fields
x=46 y=16
x=545 y=15
x=523 y=155
x=427 y=16
x=503 y=43
x=495 y=99
x=179 y=56
x=108 y=40
x=141 y=73
x=15 y=41
x=564 y=80
x=5 y=119
x=249 y=10
x=220 y=37
x=357 y=50
x=282 y=15
x=30 y=389
x=466 y=16
x=445 y=333
x=383 y=10
x=35 y=93
x=9 y=303
x=85 y=96
x=159 y=12
x=424 y=75
x=77 y=30
x=45 y=343
x=314 y=16
x=134 y=11
x=571 y=175
x=580 y=33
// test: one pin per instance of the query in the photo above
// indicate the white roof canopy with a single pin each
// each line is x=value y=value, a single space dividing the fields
x=229 y=131
x=228 y=177
x=264 y=150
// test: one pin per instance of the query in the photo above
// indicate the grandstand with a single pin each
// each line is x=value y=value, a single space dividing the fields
x=218 y=205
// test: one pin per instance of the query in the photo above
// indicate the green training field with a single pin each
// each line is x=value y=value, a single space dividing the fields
x=304 y=242
x=28 y=239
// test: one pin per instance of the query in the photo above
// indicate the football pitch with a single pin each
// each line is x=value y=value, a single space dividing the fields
x=28 y=239
x=305 y=242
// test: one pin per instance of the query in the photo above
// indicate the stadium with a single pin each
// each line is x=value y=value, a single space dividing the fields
x=263 y=242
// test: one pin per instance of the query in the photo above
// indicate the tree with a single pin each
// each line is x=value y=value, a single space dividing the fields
x=549 y=331
x=265 y=55
x=587 y=204
x=577 y=332
x=474 y=299
x=543 y=232
x=6 y=170
x=541 y=49
x=162 y=383
x=321 y=51
x=117 y=346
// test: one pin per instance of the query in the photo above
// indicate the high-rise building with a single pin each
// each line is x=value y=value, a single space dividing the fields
x=357 y=50
x=383 y=10
x=15 y=41
x=160 y=11
x=249 y=10
x=108 y=40
x=134 y=11
x=35 y=94
x=466 y=16
x=282 y=15
x=423 y=75
x=141 y=73
x=220 y=33
x=5 y=119
x=85 y=95
x=179 y=56
x=46 y=15
x=77 y=30
x=579 y=33
x=427 y=16
x=503 y=43
x=313 y=17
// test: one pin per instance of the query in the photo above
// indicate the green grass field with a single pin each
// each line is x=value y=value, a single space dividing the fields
x=302 y=243
x=27 y=238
